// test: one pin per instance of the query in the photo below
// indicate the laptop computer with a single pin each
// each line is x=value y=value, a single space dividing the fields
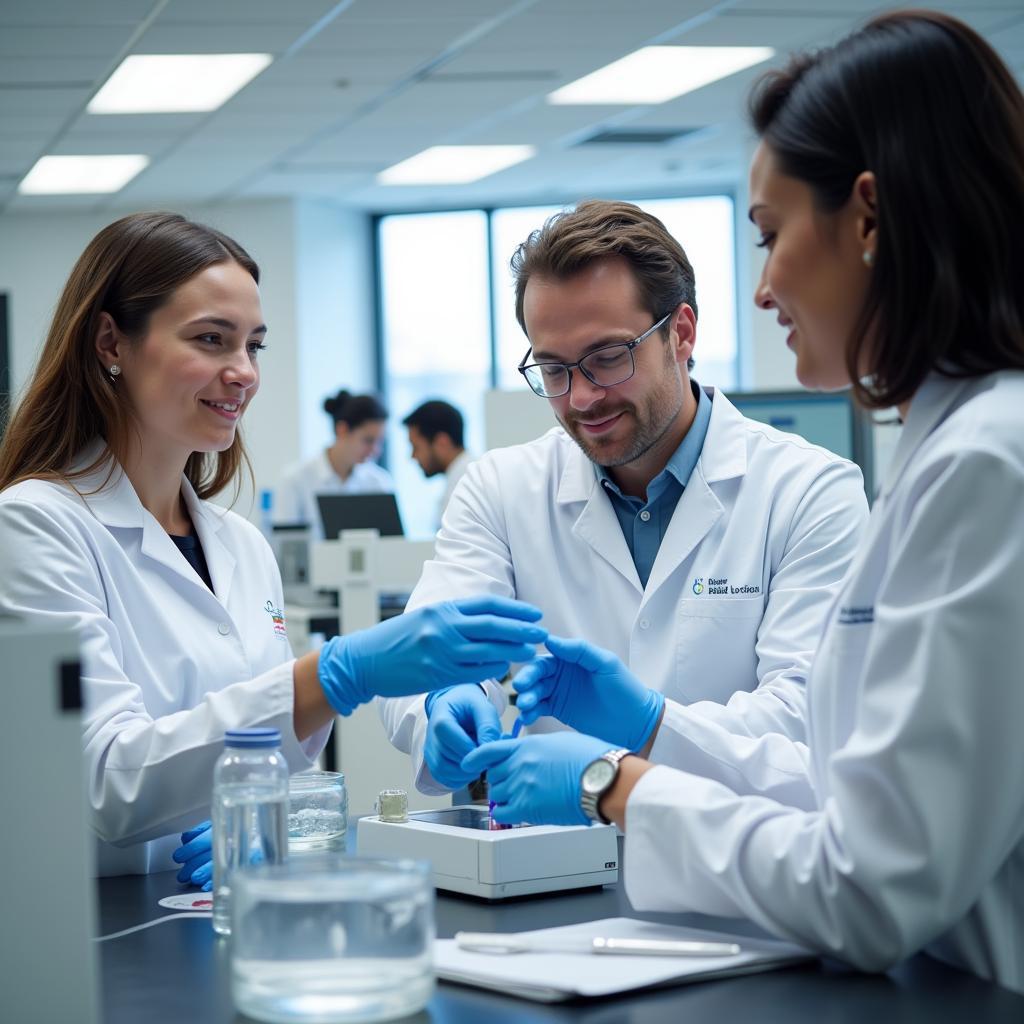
x=359 y=512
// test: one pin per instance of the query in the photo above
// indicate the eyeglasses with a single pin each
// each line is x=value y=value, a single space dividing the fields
x=605 y=367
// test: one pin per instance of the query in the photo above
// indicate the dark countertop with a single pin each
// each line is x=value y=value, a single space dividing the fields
x=179 y=972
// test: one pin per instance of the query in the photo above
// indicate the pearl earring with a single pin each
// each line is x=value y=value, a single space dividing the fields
x=114 y=371
x=869 y=257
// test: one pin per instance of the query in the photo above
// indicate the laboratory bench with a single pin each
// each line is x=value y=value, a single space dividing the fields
x=179 y=971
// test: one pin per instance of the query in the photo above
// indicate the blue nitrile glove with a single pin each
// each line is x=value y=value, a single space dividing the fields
x=537 y=778
x=196 y=856
x=464 y=641
x=459 y=719
x=589 y=689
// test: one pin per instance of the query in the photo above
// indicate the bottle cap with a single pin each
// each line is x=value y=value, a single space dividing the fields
x=393 y=805
x=262 y=737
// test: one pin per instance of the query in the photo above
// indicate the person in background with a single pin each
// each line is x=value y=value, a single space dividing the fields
x=346 y=467
x=436 y=434
x=888 y=190
x=128 y=426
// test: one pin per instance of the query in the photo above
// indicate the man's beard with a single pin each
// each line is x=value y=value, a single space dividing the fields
x=650 y=429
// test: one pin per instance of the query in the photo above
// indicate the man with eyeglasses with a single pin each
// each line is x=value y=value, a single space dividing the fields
x=699 y=547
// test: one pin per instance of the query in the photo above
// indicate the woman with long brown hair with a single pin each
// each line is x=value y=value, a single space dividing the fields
x=888 y=189
x=127 y=427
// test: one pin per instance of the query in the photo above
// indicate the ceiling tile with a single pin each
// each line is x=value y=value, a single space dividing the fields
x=63 y=13
x=47 y=43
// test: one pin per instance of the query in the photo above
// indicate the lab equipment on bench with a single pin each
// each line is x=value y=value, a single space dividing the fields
x=365 y=567
x=327 y=938
x=469 y=857
x=317 y=812
x=291 y=544
x=250 y=812
x=393 y=805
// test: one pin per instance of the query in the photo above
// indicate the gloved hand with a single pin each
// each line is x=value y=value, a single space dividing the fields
x=589 y=689
x=459 y=719
x=537 y=778
x=464 y=641
x=196 y=856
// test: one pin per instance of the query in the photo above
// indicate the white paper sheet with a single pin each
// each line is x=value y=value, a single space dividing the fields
x=551 y=977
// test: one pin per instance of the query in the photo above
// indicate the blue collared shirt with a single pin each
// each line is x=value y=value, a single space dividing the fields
x=644 y=522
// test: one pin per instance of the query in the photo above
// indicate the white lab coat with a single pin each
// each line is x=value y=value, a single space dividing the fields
x=167 y=666
x=760 y=539
x=295 y=496
x=916 y=705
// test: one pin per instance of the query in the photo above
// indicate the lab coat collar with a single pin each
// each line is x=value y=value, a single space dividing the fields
x=208 y=519
x=724 y=456
x=596 y=524
x=106 y=489
x=115 y=503
x=929 y=407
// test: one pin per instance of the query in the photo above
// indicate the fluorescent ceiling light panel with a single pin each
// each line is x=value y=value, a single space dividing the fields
x=655 y=74
x=67 y=175
x=454 y=165
x=176 y=83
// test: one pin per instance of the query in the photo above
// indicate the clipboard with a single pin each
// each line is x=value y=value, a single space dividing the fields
x=555 y=977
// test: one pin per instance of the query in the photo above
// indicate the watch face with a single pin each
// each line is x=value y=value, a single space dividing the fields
x=598 y=776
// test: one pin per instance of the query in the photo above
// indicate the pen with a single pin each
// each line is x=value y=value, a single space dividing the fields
x=489 y=942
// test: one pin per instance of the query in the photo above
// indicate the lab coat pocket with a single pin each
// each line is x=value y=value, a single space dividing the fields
x=715 y=647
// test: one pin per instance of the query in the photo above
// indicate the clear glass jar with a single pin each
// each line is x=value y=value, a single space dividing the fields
x=249 y=812
x=325 y=938
x=317 y=812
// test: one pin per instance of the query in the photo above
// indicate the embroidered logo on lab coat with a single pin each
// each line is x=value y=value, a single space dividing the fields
x=720 y=585
x=277 y=616
x=856 y=616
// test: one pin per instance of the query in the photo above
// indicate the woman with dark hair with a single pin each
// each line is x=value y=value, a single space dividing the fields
x=889 y=192
x=128 y=425
x=346 y=467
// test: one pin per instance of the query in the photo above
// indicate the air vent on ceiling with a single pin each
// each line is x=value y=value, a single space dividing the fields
x=635 y=136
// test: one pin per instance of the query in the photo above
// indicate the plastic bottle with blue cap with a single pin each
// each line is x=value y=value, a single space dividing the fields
x=250 y=811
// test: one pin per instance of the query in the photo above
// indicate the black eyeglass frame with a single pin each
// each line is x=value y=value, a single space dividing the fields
x=578 y=365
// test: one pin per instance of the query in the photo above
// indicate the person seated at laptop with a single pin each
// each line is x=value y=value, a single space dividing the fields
x=346 y=467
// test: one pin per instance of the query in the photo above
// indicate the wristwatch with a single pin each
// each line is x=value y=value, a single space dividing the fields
x=598 y=777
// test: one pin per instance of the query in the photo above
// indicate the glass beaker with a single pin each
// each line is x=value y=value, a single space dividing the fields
x=325 y=938
x=317 y=812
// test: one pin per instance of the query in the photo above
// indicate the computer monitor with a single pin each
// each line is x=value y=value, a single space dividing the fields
x=828 y=419
x=359 y=512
